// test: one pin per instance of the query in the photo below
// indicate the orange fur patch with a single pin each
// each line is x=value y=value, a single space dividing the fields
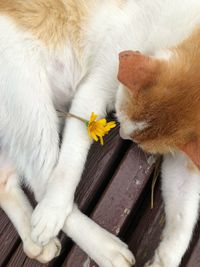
x=51 y=21
x=170 y=100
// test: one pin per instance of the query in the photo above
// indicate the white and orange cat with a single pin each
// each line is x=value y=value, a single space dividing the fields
x=63 y=54
x=159 y=108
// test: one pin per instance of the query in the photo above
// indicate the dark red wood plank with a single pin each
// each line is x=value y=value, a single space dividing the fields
x=101 y=163
x=18 y=258
x=144 y=235
x=120 y=197
x=4 y=221
x=9 y=241
x=194 y=259
x=192 y=256
x=33 y=263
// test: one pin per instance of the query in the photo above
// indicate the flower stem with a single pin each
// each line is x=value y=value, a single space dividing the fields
x=70 y=115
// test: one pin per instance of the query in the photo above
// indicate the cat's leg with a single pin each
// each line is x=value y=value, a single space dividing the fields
x=28 y=123
x=28 y=119
x=16 y=205
x=50 y=214
x=181 y=193
x=104 y=248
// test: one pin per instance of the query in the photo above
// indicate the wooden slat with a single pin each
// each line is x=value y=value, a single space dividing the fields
x=9 y=241
x=4 y=221
x=32 y=263
x=192 y=256
x=18 y=258
x=119 y=199
x=145 y=232
x=102 y=162
x=6 y=239
x=194 y=259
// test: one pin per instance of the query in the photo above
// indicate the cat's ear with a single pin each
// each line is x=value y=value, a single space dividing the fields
x=192 y=150
x=136 y=71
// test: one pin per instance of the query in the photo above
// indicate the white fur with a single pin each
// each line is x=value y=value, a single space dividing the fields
x=163 y=54
x=127 y=126
x=17 y=207
x=181 y=193
x=106 y=249
x=35 y=81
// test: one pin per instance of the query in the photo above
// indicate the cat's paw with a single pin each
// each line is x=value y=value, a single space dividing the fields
x=50 y=251
x=113 y=253
x=152 y=264
x=31 y=249
x=42 y=254
x=164 y=257
x=47 y=220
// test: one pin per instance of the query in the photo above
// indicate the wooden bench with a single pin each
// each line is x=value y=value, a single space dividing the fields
x=115 y=191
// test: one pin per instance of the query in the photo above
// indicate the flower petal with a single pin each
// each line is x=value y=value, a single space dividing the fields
x=102 y=122
x=97 y=129
x=93 y=117
x=101 y=141
x=94 y=136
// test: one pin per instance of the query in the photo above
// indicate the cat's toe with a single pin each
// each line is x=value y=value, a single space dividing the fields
x=115 y=253
x=152 y=264
x=31 y=249
x=50 y=251
x=164 y=257
x=46 y=223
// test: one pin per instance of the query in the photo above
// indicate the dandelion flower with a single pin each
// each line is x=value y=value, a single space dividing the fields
x=97 y=129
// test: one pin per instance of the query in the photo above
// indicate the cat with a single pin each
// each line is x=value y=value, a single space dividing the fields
x=58 y=55
x=159 y=108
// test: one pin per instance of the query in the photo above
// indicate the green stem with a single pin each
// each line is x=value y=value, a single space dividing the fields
x=70 y=115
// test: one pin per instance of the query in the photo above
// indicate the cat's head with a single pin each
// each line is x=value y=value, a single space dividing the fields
x=158 y=102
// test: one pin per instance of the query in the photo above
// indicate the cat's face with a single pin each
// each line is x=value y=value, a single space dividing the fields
x=158 y=103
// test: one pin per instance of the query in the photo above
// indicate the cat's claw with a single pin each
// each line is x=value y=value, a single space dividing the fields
x=47 y=221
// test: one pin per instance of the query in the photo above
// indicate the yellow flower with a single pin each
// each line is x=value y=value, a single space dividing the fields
x=97 y=129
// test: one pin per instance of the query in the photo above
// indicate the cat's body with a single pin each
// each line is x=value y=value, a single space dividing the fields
x=57 y=54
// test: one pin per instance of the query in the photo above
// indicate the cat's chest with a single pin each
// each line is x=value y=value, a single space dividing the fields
x=64 y=74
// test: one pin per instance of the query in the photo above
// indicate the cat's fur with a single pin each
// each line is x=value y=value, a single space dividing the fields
x=59 y=53
x=160 y=105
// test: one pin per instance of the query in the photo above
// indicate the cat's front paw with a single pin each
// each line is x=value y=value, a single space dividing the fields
x=164 y=257
x=153 y=264
x=48 y=219
x=40 y=253
x=112 y=252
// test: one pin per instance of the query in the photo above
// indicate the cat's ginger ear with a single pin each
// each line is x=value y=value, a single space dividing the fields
x=136 y=71
x=192 y=150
